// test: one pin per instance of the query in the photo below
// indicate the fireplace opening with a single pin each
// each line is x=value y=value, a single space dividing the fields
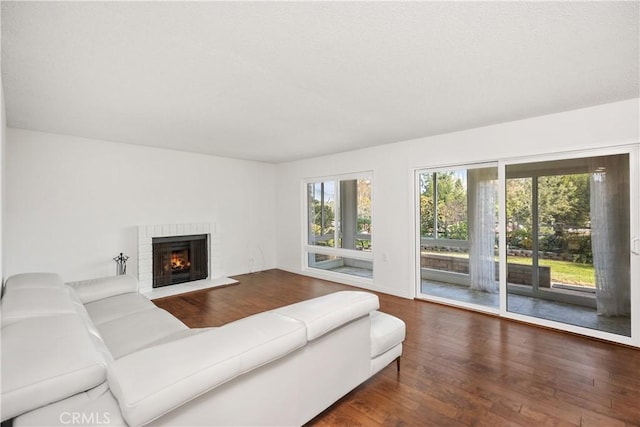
x=179 y=259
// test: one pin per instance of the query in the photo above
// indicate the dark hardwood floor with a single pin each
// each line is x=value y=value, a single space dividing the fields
x=459 y=368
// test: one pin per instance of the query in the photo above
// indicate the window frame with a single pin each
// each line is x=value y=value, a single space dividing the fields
x=633 y=150
x=354 y=254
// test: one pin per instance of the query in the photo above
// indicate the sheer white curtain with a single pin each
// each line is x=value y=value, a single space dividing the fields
x=609 y=185
x=481 y=190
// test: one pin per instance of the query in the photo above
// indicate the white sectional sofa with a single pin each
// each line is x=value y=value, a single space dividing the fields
x=97 y=352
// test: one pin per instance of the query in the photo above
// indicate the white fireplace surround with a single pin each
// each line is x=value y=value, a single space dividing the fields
x=146 y=233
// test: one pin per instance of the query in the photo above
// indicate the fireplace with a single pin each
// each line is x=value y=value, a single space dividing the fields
x=179 y=259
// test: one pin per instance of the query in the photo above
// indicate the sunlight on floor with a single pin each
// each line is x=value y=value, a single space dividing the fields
x=536 y=307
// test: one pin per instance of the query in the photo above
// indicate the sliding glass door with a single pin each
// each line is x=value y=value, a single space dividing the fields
x=458 y=234
x=552 y=240
x=568 y=241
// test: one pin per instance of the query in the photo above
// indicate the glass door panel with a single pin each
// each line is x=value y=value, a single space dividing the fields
x=567 y=227
x=458 y=238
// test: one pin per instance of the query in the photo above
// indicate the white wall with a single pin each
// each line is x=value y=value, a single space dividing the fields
x=393 y=166
x=3 y=139
x=72 y=204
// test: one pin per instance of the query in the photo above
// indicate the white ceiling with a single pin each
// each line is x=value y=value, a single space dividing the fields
x=274 y=81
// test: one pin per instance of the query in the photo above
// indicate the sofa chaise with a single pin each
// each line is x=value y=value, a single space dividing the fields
x=97 y=352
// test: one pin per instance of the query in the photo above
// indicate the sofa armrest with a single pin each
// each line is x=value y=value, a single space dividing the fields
x=328 y=312
x=154 y=381
x=104 y=287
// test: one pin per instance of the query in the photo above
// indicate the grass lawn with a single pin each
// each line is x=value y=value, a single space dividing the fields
x=564 y=271
x=561 y=271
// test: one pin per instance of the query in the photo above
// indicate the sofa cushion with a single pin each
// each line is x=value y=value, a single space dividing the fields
x=95 y=407
x=104 y=287
x=27 y=302
x=323 y=314
x=94 y=333
x=115 y=307
x=152 y=382
x=33 y=280
x=138 y=330
x=178 y=336
x=45 y=359
x=386 y=332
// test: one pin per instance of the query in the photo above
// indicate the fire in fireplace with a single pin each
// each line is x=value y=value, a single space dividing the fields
x=179 y=259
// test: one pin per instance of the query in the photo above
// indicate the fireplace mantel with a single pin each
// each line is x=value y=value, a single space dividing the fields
x=147 y=232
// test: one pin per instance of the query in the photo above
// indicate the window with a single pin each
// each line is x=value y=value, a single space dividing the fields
x=339 y=226
x=443 y=205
